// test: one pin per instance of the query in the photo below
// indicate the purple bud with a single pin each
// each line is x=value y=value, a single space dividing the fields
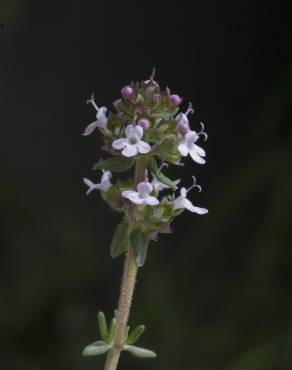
x=127 y=92
x=175 y=100
x=156 y=96
x=182 y=126
x=144 y=123
x=153 y=235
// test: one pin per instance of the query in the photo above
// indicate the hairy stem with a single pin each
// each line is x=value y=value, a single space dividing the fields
x=127 y=290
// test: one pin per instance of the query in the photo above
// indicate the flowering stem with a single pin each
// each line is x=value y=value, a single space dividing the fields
x=126 y=292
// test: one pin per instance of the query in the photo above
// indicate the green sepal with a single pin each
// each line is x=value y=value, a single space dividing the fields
x=96 y=348
x=135 y=334
x=102 y=324
x=115 y=164
x=139 y=352
x=139 y=242
x=112 y=330
x=120 y=239
x=160 y=176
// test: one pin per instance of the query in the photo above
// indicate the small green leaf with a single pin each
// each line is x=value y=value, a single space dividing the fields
x=115 y=164
x=160 y=176
x=139 y=352
x=135 y=335
x=120 y=240
x=96 y=348
x=139 y=242
x=126 y=333
x=112 y=330
x=102 y=325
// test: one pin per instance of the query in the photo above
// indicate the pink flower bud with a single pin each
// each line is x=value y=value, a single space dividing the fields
x=175 y=100
x=127 y=92
x=182 y=126
x=156 y=96
x=144 y=123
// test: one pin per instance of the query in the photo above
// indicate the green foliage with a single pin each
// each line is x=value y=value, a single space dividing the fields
x=139 y=352
x=120 y=241
x=115 y=164
x=96 y=348
x=139 y=242
x=135 y=334
x=102 y=325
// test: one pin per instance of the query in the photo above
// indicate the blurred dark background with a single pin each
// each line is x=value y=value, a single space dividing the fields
x=215 y=295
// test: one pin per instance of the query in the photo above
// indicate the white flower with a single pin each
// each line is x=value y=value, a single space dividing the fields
x=101 y=119
x=187 y=146
x=104 y=184
x=182 y=202
x=132 y=144
x=142 y=195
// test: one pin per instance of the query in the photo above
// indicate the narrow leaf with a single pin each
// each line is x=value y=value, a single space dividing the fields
x=139 y=242
x=115 y=164
x=135 y=335
x=112 y=330
x=126 y=333
x=139 y=352
x=96 y=348
x=102 y=325
x=160 y=176
x=120 y=240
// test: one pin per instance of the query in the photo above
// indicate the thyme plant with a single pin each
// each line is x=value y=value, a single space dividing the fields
x=143 y=136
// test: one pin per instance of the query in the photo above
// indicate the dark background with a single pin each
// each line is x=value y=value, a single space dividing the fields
x=214 y=295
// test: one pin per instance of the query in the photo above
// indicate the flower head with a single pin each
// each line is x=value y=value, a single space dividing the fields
x=101 y=119
x=187 y=146
x=182 y=120
x=127 y=92
x=175 y=100
x=104 y=184
x=132 y=144
x=144 y=123
x=182 y=202
x=142 y=195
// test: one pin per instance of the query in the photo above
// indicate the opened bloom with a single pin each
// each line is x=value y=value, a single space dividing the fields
x=187 y=146
x=104 y=184
x=132 y=144
x=101 y=119
x=142 y=196
x=182 y=202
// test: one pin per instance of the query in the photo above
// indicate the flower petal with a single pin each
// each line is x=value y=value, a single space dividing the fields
x=179 y=203
x=183 y=149
x=199 y=150
x=139 y=131
x=119 y=144
x=189 y=206
x=200 y=211
x=130 y=150
x=129 y=131
x=88 y=182
x=196 y=157
x=90 y=128
x=132 y=196
x=191 y=137
x=143 y=147
x=144 y=188
x=151 y=201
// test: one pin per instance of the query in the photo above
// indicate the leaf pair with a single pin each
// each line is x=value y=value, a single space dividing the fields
x=123 y=237
x=115 y=164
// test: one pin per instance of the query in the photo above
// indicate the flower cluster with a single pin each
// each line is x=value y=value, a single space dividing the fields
x=146 y=130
